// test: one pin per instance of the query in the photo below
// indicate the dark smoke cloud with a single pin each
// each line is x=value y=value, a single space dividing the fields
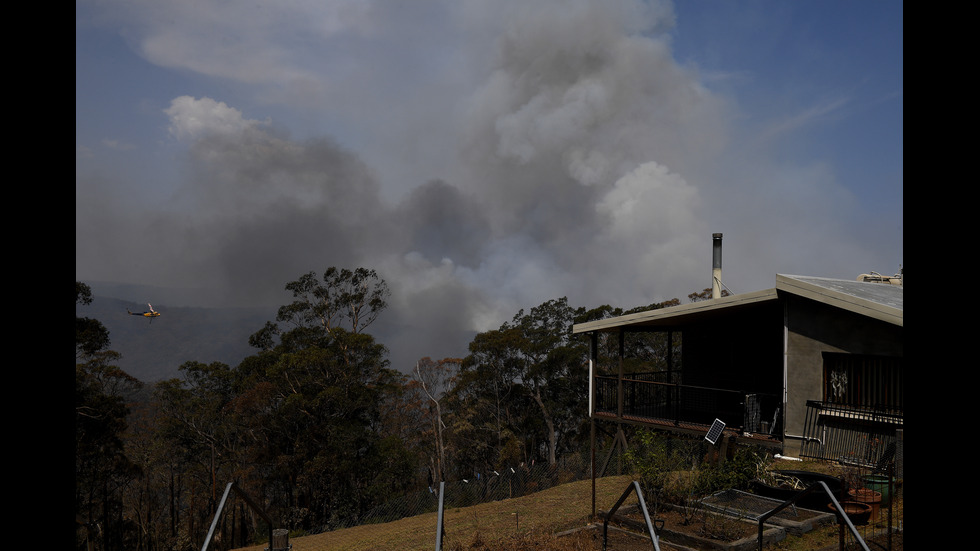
x=441 y=222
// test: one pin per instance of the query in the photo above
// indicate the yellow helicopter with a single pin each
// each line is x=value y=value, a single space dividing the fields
x=150 y=314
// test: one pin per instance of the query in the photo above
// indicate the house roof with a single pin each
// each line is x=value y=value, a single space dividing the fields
x=880 y=301
x=876 y=300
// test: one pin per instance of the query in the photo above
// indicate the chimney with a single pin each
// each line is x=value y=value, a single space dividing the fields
x=716 y=266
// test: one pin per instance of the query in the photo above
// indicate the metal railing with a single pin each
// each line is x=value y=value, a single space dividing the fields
x=633 y=487
x=251 y=503
x=678 y=403
x=816 y=486
x=863 y=436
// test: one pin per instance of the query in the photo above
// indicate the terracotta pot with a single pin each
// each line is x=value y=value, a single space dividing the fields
x=858 y=512
x=868 y=496
x=878 y=483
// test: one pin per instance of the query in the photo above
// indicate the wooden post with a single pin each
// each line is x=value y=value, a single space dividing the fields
x=280 y=540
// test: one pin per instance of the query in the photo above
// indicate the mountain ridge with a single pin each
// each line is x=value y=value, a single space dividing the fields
x=153 y=349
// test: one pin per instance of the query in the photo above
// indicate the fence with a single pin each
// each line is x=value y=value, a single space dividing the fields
x=516 y=481
x=871 y=492
x=866 y=436
x=494 y=485
x=877 y=496
x=880 y=489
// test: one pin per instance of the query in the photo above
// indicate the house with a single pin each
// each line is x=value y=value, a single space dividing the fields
x=811 y=368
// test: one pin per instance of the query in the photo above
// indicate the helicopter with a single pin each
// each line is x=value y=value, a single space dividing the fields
x=150 y=314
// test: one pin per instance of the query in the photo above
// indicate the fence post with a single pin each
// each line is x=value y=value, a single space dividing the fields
x=439 y=527
x=280 y=540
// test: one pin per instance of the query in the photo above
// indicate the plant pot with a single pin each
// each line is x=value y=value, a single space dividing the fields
x=878 y=483
x=868 y=496
x=858 y=512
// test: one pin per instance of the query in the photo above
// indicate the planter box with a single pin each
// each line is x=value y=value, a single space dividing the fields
x=770 y=533
x=816 y=500
x=796 y=520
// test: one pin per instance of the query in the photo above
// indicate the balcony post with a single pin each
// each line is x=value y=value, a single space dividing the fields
x=619 y=390
x=593 y=372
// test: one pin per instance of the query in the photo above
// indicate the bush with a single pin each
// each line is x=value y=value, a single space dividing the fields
x=672 y=469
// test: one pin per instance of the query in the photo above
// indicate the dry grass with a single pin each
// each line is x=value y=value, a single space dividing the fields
x=530 y=522
x=500 y=523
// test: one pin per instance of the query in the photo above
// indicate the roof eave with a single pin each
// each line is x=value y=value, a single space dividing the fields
x=663 y=314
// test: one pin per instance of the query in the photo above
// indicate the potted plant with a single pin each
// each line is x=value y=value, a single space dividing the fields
x=858 y=512
x=867 y=496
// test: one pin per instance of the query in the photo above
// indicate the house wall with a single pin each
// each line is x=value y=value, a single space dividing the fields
x=812 y=328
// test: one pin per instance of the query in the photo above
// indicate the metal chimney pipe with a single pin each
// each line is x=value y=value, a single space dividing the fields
x=716 y=266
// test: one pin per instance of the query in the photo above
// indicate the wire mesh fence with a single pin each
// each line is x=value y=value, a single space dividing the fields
x=871 y=495
x=875 y=499
x=492 y=485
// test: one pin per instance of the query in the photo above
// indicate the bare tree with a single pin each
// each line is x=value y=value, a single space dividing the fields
x=435 y=380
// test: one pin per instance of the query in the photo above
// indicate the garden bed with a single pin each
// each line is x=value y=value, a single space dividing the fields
x=796 y=520
x=701 y=529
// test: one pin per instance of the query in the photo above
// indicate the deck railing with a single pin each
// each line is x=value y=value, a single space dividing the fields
x=677 y=403
x=858 y=435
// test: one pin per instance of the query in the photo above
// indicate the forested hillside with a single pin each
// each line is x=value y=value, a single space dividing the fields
x=314 y=424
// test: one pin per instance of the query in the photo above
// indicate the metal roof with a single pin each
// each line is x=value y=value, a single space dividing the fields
x=880 y=301
x=876 y=300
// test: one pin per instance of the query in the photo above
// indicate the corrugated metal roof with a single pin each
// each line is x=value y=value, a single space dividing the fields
x=876 y=300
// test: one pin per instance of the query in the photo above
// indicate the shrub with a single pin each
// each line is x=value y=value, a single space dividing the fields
x=671 y=470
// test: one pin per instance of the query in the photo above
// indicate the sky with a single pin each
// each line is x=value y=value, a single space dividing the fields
x=485 y=156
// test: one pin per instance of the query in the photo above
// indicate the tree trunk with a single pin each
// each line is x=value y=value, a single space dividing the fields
x=549 y=422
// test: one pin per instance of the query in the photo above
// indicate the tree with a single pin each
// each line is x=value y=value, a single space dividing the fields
x=326 y=379
x=102 y=468
x=532 y=361
x=435 y=379
x=643 y=351
x=554 y=363
x=705 y=295
x=91 y=337
x=345 y=299
x=195 y=416
x=481 y=402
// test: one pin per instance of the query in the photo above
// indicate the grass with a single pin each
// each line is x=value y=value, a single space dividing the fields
x=536 y=516
x=527 y=522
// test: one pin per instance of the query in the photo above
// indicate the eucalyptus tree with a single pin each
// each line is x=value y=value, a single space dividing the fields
x=102 y=468
x=554 y=367
x=526 y=380
x=434 y=380
x=342 y=299
x=483 y=403
x=327 y=380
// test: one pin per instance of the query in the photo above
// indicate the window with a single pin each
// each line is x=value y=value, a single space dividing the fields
x=863 y=381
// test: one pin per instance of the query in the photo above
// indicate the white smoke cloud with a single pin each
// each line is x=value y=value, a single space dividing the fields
x=655 y=215
x=192 y=118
